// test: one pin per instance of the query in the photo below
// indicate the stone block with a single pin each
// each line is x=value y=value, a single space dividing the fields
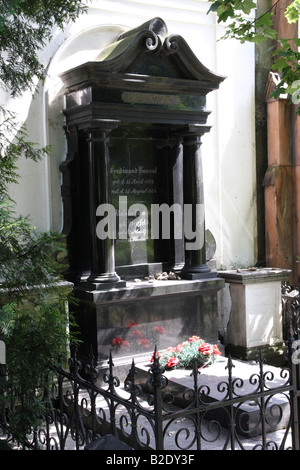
x=256 y=312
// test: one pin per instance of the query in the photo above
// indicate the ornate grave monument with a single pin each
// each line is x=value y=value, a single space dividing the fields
x=133 y=195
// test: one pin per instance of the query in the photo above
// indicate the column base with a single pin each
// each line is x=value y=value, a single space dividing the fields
x=105 y=277
x=177 y=268
x=101 y=286
x=103 y=281
x=196 y=272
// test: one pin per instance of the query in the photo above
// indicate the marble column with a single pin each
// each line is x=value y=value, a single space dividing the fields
x=103 y=256
x=169 y=146
x=176 y=175
x=194 y=215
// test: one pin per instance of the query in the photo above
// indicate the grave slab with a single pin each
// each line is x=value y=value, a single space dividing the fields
x=248 y=412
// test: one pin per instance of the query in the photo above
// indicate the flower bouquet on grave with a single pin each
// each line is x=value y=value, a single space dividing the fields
x=186 y=354
x=134 y=338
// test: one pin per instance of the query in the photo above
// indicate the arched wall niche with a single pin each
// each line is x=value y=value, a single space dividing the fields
x=77 y=49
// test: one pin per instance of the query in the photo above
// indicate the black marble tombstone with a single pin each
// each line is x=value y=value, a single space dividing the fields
x=133 y=195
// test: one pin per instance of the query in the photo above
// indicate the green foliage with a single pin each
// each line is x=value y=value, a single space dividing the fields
x=244 y=28
x=292 y=11
x=260 y=29
x=286 y=63
x=25 y=28
x=226 y=9
x=193 y=351
x=36 y=340
x=14 y=144
x=34 y=322
x=25 y=254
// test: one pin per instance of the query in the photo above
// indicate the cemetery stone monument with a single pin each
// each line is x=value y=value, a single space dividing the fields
x=133 y=195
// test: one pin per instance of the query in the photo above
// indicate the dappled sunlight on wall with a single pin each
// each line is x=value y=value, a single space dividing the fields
x=83 y=47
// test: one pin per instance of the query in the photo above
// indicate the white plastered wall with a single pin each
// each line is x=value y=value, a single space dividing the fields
x=228 y=150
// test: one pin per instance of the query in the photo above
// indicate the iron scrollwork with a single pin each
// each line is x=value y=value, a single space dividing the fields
x=147 y=414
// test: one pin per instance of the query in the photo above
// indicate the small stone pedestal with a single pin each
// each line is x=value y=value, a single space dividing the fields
x=256 y=312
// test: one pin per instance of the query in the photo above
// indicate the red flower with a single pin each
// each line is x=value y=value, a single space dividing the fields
x=194 y=338
x=158 y=355
x=170 y=349
x=144 y=342
x=179 y=347
x=172 y=362
x=117 y=341
x=216 y=350
x=205 y=349
x=159 y=329
x=131 y=324
x=136 y=333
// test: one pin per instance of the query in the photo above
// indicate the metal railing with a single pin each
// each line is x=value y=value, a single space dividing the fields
x=259 y=412
x=290 y=312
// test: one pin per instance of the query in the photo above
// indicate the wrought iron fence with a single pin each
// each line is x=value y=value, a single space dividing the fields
x=290 y=311
x=147 y=413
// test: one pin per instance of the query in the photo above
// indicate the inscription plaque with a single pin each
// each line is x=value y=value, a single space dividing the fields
x=150 y=98
x=180 y=101
x=134 y=187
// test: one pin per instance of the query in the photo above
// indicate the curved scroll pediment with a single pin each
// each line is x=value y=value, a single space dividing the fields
x=145 y=74
x=148 y=50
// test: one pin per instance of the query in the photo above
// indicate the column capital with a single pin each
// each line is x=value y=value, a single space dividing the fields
x=189 y=134
x=100 y=130
x=194 y=130
x=99 y=125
